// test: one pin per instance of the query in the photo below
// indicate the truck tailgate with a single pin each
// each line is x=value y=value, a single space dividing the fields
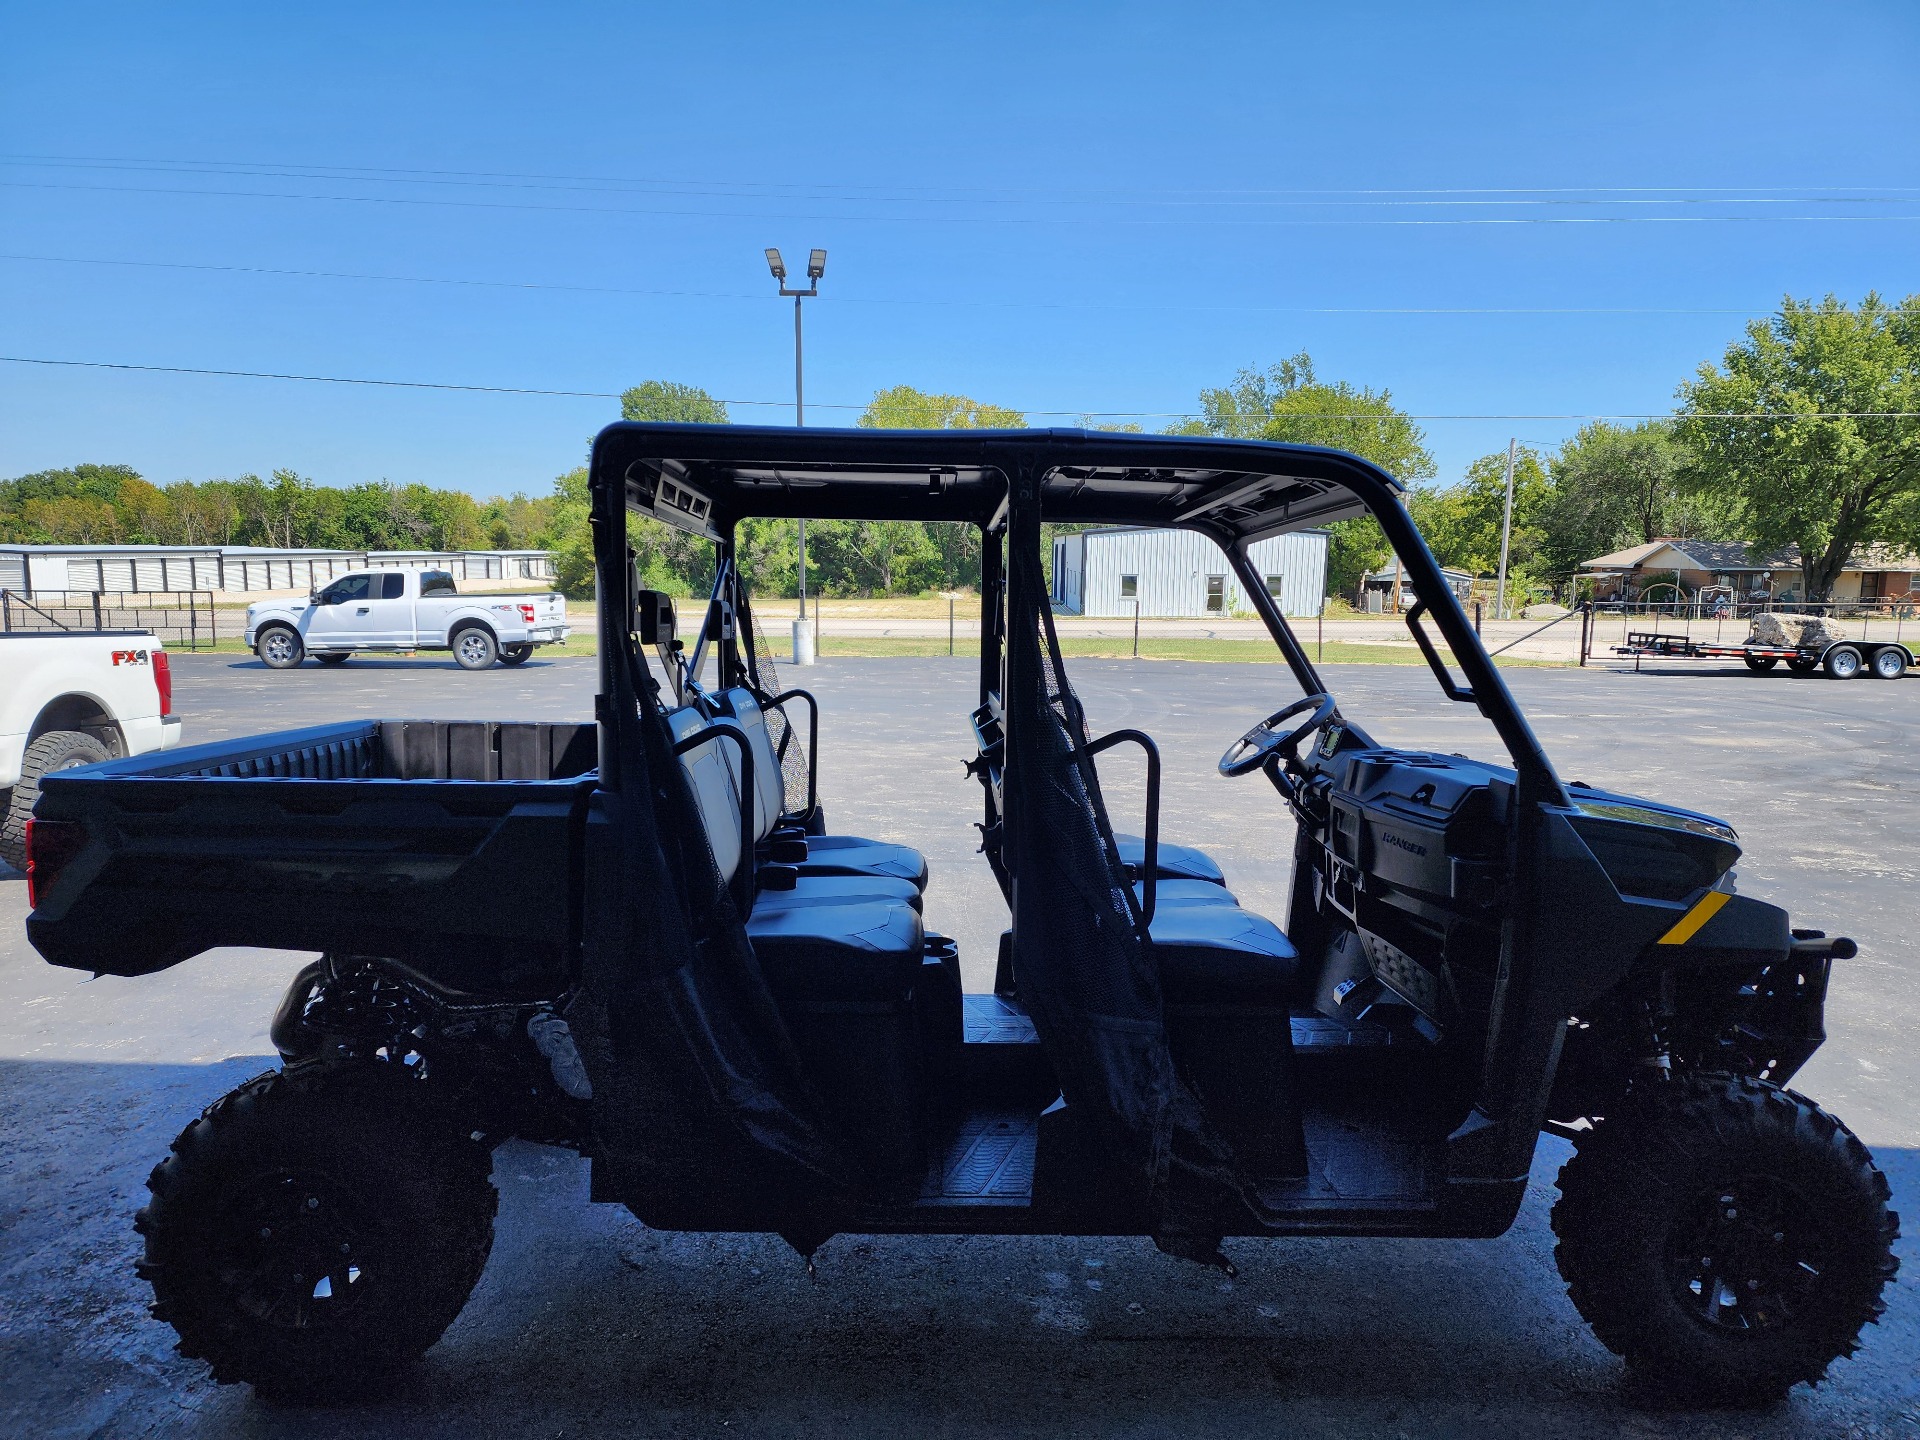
x=449 y=846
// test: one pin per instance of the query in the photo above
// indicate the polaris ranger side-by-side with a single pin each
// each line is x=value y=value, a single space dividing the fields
x=640 y=938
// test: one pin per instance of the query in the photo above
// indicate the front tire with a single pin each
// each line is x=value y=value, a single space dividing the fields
x=279 y=647
x=1728 y=1238
x=1842 y=662
x=317 y=1229
x=475 y=648
x=56 y=750
x=515 y=654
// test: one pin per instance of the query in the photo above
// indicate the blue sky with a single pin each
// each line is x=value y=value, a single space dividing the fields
x=1054 y=207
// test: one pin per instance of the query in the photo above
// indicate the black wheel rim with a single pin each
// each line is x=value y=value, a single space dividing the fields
x=294 y=1252
x=1748 y=1255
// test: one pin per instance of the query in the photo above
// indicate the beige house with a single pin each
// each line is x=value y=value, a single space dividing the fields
x=1681 y=569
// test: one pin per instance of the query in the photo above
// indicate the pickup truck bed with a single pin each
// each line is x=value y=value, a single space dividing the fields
x=449 y=846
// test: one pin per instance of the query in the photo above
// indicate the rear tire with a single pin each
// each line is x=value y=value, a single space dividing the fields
x=474 y=648
x=279 y=647
x=1889 y=663
x=317 y=1229
x=1728 y=1238
x=1842 y=662
x=1760 y=663
x=338 y=657
x=56 y=750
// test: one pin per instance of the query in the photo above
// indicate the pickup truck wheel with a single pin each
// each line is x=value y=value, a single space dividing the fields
x=317 y=1229
x=474 y=648
x=1889 y=663
x=56 y=750
x=338 y=657
x=1842 y=662
x=1758 y=663
x=515 y=654
x=279 y=648
x=1803 y=665
x=1728 y=1238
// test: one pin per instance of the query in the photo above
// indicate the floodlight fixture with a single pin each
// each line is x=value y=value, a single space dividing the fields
x=816 y=264
x=776 y=264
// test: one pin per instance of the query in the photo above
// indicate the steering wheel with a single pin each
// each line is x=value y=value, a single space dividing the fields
x=1263 y=742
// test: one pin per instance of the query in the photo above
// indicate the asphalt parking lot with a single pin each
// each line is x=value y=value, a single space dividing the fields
x=588 y=1324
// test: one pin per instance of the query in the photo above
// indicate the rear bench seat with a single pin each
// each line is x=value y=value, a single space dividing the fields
x=826 y=855
x=841 y=955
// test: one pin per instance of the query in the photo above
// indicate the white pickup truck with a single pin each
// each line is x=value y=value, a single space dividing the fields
x=74 y=699
x=404 y=610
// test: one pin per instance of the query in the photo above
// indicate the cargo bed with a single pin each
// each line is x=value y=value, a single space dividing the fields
x=449 y=846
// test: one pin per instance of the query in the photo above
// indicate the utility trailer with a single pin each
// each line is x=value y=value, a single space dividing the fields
x=1842 y=660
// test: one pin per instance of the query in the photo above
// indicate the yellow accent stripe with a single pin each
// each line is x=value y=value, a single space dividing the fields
x=1698 y=916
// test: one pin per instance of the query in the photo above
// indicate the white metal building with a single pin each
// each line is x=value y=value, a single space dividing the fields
x=173 y=569
x=1180 y=573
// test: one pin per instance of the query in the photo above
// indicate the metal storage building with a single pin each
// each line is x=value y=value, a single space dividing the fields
x=1181 y=574
x=177 y=569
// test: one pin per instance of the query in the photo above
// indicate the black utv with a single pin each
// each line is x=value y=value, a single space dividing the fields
x=640 y=938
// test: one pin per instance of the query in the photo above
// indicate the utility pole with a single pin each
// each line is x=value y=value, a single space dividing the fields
x=816 y=267
x=1506 y=536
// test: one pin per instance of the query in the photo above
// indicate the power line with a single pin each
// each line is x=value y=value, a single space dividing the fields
x=1081 y=414
x=759 y=296
x=1051 y=191
x=1262 y=223
x=1675 y=196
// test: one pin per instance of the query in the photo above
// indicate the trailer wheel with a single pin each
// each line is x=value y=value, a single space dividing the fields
x=1761 y=663
x=1889 y=662
x=1728 y=1238
x=515 y=654
x=474 y=648
x=1842 y=662
x=55 y=750
x=279 y=648
x=317 y=1229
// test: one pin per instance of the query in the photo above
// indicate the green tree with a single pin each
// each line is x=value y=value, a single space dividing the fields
x=1289 y=402
x=668 y=400
x=1614 y=486
x=1804 y=431
x=905 y=408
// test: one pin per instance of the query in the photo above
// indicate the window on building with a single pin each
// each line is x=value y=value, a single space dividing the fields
x=1216 y=594
x=1129 y=587
x=1275 y=583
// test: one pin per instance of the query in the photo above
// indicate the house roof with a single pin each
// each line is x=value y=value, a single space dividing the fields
x=1722 y=556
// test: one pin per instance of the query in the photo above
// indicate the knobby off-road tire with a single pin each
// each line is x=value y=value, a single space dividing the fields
x=474 y=648
x=1728 y=1238
x=317 y=1229
x=515 y=654
x=280 y=647
x=56 y=750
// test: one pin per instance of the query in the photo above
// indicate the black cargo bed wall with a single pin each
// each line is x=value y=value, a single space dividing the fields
x=483 y=750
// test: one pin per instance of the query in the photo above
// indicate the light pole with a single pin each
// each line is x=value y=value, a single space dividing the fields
x=816 y=267
x=1506 y=534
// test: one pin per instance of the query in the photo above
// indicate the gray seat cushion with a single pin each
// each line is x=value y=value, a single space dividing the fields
x=812 y=890
x=1176 y=862
x=1222 y=955
x=850 y=855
